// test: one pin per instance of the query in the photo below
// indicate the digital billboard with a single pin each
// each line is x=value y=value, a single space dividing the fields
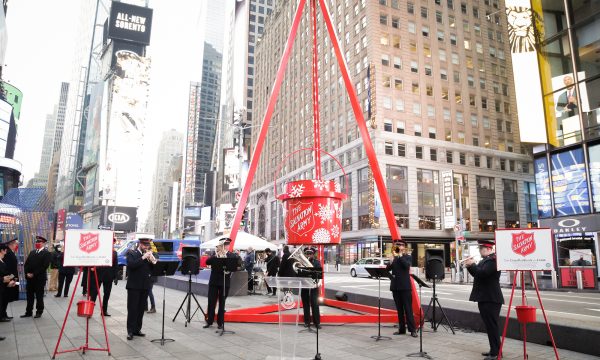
x=130 y=23
x=542 y=187
x=594 y=156
x=92 y=132
x=569 y=183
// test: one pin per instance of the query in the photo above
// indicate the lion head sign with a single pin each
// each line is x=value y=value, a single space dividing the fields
x=88 y=248
x=524 y=249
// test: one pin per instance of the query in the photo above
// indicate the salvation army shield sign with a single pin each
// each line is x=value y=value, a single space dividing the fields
x=523 y=243
x=89 y=242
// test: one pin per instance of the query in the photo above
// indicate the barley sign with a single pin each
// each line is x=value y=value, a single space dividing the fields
x=88 y=248
x=524 y=249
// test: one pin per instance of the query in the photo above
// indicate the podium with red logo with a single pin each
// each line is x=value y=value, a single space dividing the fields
x=91 y=249
x=525 y=250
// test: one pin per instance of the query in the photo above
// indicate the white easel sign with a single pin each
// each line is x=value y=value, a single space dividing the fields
x=524 y=249
x=88 y=248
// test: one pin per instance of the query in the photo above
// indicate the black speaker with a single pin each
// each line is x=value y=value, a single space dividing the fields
x=434 y=264
x=341 y=296
x=190 y=263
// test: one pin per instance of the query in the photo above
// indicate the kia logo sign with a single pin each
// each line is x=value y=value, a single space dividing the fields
x=569 y=223
x=118 y=218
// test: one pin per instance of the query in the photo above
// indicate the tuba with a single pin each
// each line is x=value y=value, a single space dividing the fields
x=299 y=260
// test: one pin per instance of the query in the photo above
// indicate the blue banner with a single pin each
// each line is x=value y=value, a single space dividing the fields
x=542 y=186
x=569 y=183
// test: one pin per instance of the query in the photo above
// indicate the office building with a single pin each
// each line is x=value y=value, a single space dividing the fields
x=41 y=176
x=434 y=79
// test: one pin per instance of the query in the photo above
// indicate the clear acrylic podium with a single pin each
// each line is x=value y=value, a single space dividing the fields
x=288 y=307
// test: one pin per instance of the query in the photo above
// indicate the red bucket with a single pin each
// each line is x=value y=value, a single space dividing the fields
x=313 y=212
x=85 y=308
x=526 y=314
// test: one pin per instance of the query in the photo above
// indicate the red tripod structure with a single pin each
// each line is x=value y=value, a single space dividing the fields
x=257 y=313
x=85 y=309
x=525 y=313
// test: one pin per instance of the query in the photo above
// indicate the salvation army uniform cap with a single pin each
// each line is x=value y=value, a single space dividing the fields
x=8 y=242
x=40 y=239
x=486 y=243
x=400 y=242
x=309 y=251
x=145 y=241
x=224 y=241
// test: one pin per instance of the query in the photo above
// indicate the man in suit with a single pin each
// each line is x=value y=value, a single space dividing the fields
x=401 y=287
x=10 y=293
x=486 y=292
x=310 y=297
x=139 y=264
x=272 y=269
x=219 y=283
x=65 y=276
x=6 y=279
x=567 y=101
x=106 y=276
x=36 y=267
x=249 y=261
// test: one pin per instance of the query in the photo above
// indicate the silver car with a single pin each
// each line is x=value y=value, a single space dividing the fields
x=359 y=268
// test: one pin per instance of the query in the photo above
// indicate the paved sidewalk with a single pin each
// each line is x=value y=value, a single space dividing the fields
x=32 y=339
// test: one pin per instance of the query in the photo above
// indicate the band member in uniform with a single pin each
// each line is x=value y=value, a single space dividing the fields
x=139 y=264
x=401 y=287
x=216 y=282
x=310 y=297
x=249 y=261
x=36 y=266
x=486 y=292
x=272 y=269
x=10 y=293
x=65 y=276
x=106 y=276
x=7 y=280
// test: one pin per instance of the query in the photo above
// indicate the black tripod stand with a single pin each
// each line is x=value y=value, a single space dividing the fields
x=188 y=297
x=164 y=268
x=421 y=353
x=433 y=303
x=378 y=273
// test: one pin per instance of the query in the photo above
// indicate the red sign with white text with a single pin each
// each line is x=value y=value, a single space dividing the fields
x=89 y=242
x=523 y=243
x=568 y=277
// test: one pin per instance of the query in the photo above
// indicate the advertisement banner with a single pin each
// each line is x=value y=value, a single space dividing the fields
x=60 y=219
x=192 y=212
x=524 y=249
x=542 y=187
x=119 y=218
x=88 y=248
x=73 y=221
x=594 y=156
x=94 y=122
x=448 y=196
x=231 y=169
x=569 y=183
x=568 y=277
x=224 y=219
x=130 y=23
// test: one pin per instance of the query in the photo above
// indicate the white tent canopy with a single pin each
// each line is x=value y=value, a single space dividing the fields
x=242 y=242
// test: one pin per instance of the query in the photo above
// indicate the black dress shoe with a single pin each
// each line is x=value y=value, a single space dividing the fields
x=57 y=295
x=400 y=332
x=306 y=325
x=129 y=336
x=486 y=353
x=8 y=317
x=414 y=334
x=207 y=326
x=106 y=315
x=2 y=338
x=5 y=320
x=491 y=357
x=66 y=295
x=37 y=316
x=318 y=326
x=139 y=333
x=219 y=327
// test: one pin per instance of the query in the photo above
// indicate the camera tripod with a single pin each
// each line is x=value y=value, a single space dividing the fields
x=188 y=297
x=433 y=303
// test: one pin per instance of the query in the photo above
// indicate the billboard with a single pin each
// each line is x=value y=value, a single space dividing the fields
x=88 y=248
x=524 y=249
x=5 y=115
x=73 y=221
x=566 y=106
x=119 y=218
x=92 y=132
x=542 y=187
x=569 y=183
x=448 y=196
x=192 y=212
x=594 y=156
x=130 y=23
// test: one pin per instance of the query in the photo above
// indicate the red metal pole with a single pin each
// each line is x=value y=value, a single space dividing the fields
x=512 y=294
x=537 y=291
x=266 y=122
x=524 y=324
x=62 y=329
x=360 y=120
x=315 y=86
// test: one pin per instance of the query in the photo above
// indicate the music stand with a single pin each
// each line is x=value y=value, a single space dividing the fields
x=316 y=274
x=164 y=268
x=227 y=266
x=379 y=272
x=421 y=353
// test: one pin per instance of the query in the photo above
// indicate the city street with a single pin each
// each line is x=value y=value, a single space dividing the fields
x=33 y=339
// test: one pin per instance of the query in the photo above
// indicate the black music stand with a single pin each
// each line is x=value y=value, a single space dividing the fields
x=379 y=272
x=421 y=353
x=316 y=274
x=164 y=268
x=227 y=266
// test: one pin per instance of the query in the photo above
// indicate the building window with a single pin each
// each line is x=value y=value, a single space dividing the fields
x=477 y=159
x=486 y=203
x=387 y=125
x=511 y=204
x=429 y=199
x=449 y=157
x=389 y=148
x=433 y=154
x=402 y=150
x=419 y=152
x=400 y=127
x=418 y=129
x=462 y=158
x=432 y=132
x=531 y=206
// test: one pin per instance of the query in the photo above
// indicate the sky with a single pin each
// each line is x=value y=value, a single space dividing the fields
x=41 y=42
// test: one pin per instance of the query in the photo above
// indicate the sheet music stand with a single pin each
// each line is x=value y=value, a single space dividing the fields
x=164 y=269
x=421 y=353
x=379 y=272
x=227 y=266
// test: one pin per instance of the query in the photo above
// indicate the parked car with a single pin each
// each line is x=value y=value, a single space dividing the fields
x=359 y=268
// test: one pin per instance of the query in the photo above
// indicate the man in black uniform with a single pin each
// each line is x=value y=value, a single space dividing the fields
x=216 y=283
x=272 y=268
x=310 y=297
x=286 y=268
x=106 y=276
x=65 y=276
x=401 y=287
x=36 y=266
x=486 y=292
x=139 y=264
x=6 y=279
x=10 y=293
